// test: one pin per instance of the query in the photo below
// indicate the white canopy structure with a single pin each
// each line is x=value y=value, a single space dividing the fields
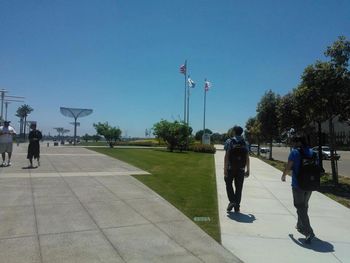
x=75 y=113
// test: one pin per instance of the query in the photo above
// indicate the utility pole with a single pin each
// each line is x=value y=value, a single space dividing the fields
x=6 y=99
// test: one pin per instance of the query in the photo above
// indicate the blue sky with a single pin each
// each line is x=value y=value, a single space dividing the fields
x=122 y=58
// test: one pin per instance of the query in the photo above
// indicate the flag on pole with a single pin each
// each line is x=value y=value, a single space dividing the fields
x=191 y=83
x=207 y=85
x=183 y=69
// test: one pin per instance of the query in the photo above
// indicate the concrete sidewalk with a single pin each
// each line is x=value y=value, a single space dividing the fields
x=264 y=229
x=82 y=206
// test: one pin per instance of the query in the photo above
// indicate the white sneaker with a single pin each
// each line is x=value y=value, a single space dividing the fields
x=9 y=163
x=38 y=163
x=3 y=164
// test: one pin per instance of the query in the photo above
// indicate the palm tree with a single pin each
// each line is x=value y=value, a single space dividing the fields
x=22 y=112
x=20 y=115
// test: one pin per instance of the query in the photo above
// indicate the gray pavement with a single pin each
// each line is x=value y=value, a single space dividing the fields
x=81 y=206
x=264 y=230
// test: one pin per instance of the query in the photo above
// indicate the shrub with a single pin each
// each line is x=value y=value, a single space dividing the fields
x=203 y=148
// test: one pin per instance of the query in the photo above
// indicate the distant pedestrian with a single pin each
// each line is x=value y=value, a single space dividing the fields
x=235 y=162
x=300 y=197
x=34 y=146
x=6 y=142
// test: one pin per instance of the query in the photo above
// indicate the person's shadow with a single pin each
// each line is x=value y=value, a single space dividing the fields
x=242 y=218
x=29 y=167
x=316 y=244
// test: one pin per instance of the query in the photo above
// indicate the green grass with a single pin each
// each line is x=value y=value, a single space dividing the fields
x=187 y=180
x=83 y=143
x=339 y=193
x=146 y=142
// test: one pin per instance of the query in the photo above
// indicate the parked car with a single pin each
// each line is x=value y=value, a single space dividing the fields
x=264 y=150
x=326 y=153
x=254 y=148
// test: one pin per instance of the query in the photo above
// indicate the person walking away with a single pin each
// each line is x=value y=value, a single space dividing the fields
x=235 y=162
x=6 y=142
x=34 y=146
x=300 y=196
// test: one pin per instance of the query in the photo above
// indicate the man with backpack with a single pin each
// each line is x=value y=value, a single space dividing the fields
x=305 y=178
x=235 y=162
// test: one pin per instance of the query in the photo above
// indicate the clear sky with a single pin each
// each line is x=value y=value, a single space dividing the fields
x=121 y=58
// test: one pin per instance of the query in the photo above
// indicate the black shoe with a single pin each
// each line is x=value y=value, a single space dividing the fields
x=309 y=238
x=237 y=209
x=230 y=207
x=300 y=230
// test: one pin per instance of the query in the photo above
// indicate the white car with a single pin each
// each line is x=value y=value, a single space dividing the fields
x=326 y=153
x=264 y=150
x=254 y=148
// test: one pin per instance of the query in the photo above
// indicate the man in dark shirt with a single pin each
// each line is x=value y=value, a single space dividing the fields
x=235 y=174
x=34 y=146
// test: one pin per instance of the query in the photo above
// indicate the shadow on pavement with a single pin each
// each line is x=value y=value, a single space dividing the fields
x=242 y=218
x=317 y=244
x=30 y=167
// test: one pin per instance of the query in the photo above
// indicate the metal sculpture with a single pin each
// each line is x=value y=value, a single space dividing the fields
x=75 y=113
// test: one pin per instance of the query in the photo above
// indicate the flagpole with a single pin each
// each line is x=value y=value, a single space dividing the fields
x=188 y=101
x=205 y=99
x=185 y=91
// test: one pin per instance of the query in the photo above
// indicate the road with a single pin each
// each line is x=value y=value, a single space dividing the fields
x=281 y=153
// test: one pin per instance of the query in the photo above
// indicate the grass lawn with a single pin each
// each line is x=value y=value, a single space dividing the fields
x=339 y=193
x=83 y=143
x=187 y=180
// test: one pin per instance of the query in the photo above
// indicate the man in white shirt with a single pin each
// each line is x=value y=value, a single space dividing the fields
x=6 y=142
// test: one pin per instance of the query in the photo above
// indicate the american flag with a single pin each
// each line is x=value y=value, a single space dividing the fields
x=183 y=69
x=207 y=85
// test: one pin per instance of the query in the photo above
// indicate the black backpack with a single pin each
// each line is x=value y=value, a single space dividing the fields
x=309 y=172
x=237 y=154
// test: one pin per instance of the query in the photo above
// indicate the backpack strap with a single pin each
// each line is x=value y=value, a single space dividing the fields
x=235 y=141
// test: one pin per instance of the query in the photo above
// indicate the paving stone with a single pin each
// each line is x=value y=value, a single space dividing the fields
x=17 y=221
x=114 y=214
x=63 y=218
x=147 y=243
x=20 y=250
x=78 y=247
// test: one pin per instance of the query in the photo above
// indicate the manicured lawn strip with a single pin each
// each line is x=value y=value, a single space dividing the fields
x=93 y=144
x=187 y=180
x=339 y=193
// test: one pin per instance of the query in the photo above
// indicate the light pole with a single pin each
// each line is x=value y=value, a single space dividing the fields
x=7 y=98
x=205 y=138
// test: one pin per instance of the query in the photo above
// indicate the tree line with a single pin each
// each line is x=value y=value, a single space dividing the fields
x=322 y=94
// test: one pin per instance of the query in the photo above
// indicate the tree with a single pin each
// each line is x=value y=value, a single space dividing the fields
x=199 y=134
x=290 y=114
x=326 y=85
x=267 y=117
x=23 y=112
x=20 y=114
x=217 y=137
x=111 y=134
x=96 y=137
x=252 y=132
x=339 y=53
x=86 y=137
x=175 y=134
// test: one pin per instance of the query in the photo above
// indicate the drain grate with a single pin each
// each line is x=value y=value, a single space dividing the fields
x=201 y=218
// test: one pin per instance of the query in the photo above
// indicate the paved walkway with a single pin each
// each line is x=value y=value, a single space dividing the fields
x=264 y=230
x=81 y=206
